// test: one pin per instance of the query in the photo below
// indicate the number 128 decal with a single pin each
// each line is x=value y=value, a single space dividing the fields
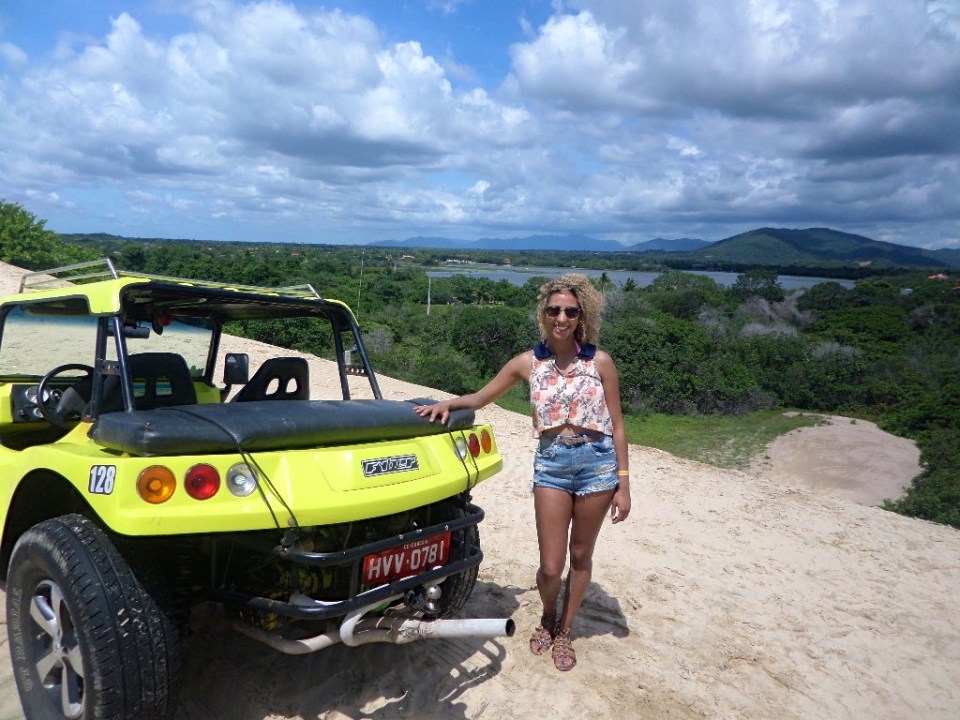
x=102 y=478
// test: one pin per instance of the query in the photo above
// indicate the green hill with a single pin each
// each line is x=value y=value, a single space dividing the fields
x=817 y=247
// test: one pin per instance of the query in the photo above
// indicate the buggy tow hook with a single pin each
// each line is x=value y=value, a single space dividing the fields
x=356 y=630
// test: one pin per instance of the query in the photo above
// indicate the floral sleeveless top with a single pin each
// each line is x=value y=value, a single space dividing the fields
x=574 y=397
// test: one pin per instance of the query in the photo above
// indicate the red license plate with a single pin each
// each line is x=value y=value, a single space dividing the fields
x=411 y=559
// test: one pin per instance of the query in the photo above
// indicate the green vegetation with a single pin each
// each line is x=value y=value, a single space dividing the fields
x=25 y=243
x=728 y=441
x=724 y=441
x=705 y=370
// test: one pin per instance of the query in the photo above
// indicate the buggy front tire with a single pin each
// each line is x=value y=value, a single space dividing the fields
x=87 y=639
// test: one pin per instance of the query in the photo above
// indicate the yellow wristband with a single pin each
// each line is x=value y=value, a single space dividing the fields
x=623 y=473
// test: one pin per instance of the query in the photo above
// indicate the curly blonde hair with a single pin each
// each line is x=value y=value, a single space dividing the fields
x=591 y=303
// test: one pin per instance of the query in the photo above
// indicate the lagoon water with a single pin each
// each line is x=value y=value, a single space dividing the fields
x=519 y=275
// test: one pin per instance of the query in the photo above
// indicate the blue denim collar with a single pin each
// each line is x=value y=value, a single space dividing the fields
x=586 y=351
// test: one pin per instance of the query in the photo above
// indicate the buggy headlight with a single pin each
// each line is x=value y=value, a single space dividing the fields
x=241 y=479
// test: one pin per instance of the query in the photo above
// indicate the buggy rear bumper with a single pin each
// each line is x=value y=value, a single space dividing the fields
x=305 y=608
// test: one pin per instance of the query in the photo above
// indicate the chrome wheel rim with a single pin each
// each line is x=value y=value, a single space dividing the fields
x=56 y=649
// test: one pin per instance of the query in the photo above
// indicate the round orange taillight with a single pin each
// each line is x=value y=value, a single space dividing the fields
x=474 y=445
x=202 y=481
x=486 y=441
x=156 y=484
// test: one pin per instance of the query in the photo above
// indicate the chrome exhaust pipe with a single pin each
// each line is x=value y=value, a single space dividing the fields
x=410 y=629
x=303 y=646
x=400 y=630
x=355 y=630
x=373 y=630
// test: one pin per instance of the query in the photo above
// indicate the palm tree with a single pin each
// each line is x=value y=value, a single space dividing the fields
x=604 y=279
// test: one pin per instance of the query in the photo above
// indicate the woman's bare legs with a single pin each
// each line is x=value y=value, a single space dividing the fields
x=589 y=512
x=561 y=520
x=554 y=511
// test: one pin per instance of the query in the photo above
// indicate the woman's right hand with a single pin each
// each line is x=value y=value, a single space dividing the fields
x=432 y=412
x=509 y=375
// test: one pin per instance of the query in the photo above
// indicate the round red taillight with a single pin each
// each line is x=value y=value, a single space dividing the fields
x=474 y=445
x=202 y=482
x=486 y=441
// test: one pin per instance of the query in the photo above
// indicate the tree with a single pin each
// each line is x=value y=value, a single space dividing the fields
x=461 y=288
x=446 y=369
x=604 y=281
x=825 y=297
x=491 y=336
x=484 y=291
x=26 y=243
x=760 y=282
x=683 y=295
x=660 y=361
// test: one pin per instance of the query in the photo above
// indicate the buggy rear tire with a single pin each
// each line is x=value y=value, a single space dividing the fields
x=456 y=589
x=87 y=639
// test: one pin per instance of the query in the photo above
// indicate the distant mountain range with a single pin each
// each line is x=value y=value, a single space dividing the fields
x=779 y=247
x=665 y=245
x=764 y=246
x=548 y=243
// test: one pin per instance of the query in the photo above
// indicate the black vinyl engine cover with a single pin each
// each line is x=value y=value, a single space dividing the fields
x=263 y=425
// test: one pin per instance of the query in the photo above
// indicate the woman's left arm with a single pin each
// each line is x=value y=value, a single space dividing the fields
x=620 y=505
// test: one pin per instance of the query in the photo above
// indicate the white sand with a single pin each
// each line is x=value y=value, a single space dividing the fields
x=725 y=595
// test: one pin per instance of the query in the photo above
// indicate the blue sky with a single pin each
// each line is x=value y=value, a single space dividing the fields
x=362 y=121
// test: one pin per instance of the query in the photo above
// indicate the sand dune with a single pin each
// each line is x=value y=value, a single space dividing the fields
x=725 y=595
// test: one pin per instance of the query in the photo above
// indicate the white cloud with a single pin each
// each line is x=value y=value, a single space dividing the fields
x=746 y=57
x=480 y=187
x=447 y=7
x=12 y=55
x=256 y=85
x=708 y=116
x=578 y=63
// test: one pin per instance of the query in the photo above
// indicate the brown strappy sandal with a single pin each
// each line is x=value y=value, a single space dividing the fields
x=564 y=658
x=542 y=637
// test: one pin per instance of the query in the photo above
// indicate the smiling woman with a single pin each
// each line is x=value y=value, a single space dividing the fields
x=581 y=465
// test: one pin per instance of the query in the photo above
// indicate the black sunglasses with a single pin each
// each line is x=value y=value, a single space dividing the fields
x=555 y=310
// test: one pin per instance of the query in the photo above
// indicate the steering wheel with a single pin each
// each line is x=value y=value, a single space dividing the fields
x=63 y=409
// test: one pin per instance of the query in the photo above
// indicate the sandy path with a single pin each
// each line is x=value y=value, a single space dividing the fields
x=845 y=457
x=725 y=595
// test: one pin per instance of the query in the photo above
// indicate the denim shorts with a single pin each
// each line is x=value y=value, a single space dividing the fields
x=589 y=467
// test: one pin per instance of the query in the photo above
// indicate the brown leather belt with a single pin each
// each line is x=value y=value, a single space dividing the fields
x=573 y=440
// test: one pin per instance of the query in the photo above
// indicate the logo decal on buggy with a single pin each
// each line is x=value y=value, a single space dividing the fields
x=102 y=478
x=387 y=465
